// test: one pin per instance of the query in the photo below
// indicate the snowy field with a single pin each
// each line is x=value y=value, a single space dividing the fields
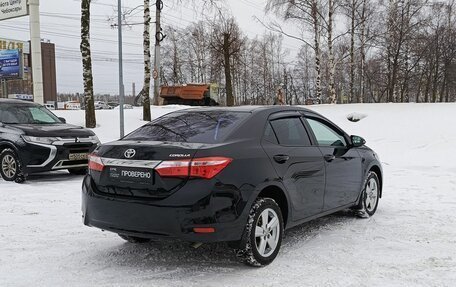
x=411 y=240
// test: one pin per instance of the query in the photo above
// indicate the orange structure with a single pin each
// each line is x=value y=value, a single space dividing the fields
x=191 y=94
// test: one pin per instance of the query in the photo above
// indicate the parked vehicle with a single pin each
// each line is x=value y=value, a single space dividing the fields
x=102 y=106
x=33 y=139
x=49 y=106
x=240 y=175
x=72 y=105
x=190 y=94
x=113 y=105
x=126 y=107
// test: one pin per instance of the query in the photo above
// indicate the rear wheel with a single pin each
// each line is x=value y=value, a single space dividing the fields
x=369 y=198
x=134 y=239
x=263 y=234
x=10 y=167
x=78 y=171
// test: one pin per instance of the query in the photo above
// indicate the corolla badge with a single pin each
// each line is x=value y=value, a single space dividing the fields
x=129 y=153
x=180 y=155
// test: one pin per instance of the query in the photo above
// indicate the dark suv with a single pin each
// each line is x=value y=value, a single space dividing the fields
x=33 y=139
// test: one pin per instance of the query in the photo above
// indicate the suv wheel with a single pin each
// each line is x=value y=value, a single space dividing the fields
x=10 y=167
x=263 y=234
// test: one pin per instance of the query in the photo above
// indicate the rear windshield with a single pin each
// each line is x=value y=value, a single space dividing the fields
x=192 y=127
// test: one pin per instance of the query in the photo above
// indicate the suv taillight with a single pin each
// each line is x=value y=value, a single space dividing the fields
x=95 y=163
x=206 y=167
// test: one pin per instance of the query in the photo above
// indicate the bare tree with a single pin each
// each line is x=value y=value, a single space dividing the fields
x=147 y=63
x=307 y=12
x=90 y=120
x=227 y=41
x=331 y=62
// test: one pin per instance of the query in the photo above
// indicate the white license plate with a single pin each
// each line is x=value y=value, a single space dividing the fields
x=78 y=156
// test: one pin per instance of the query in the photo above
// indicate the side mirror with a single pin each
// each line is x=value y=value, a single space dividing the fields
x=357 y=141
x=62 y=120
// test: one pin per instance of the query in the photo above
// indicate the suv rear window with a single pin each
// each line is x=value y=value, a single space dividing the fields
x=192 y=127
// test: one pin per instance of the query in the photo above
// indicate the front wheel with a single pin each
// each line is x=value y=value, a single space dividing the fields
x=369 y=198
x=10 y=166
x=263 y=234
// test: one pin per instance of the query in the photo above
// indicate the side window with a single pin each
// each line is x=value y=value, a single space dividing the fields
x=325 y=135
x=290 y=131
x=269 y=134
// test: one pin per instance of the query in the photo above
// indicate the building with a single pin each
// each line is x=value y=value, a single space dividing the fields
x=24 y=84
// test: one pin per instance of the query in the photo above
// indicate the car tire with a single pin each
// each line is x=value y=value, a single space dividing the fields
x=262 y=235
x=370 y=196
x=134 y=239
x=78 y=171
x=10 y=166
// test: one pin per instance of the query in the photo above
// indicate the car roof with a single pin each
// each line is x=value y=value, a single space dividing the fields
x=17 y=102
x=251 y=109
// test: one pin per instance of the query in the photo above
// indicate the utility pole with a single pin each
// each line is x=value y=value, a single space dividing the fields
x=35 y=40
x=133 y=89
x=158 y=38
x=121 y=85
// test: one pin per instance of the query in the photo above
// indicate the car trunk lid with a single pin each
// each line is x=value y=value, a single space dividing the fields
x=129 y=168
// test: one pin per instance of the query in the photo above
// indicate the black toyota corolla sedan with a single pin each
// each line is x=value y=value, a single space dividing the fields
x=33 y=139
x=240 y=175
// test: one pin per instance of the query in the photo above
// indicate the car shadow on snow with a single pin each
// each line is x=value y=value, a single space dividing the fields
x=54 y=176
x=181 y=257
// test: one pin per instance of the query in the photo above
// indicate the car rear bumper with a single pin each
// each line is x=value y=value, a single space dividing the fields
x=149 y=219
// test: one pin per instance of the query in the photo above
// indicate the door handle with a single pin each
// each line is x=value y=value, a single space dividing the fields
x=329 y=157
x=281 y=158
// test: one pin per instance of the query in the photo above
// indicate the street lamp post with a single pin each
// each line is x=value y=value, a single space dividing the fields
x=121 y=85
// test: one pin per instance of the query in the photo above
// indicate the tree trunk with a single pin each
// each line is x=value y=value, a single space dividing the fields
x=315 y=16
x=332 y=64
x=363 y=53
x=147 y=64
x=226 y=64
x=90 y=119
x=352 y=52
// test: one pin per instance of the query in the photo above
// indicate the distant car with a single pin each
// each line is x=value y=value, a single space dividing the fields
x=126 y=107
x=102 y=106
x=240 y=175
x=113 y=105
x=33 y=139
x=49 y=106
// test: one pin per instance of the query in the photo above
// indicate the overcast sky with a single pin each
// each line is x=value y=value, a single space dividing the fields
x=60 y=23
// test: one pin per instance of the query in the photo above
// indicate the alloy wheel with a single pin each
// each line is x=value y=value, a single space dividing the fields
x=371 y=194
x=9 y=166
x=267 y=232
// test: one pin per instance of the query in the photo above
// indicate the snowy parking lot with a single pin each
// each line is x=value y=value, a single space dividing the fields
x=410 y=241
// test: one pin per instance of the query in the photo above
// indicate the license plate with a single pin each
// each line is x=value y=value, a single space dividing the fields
x=140 y=175
x=78 y=156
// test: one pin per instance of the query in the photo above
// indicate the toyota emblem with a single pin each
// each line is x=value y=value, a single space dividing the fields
x=129 y=153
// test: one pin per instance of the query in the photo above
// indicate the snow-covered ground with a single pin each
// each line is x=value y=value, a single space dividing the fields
x=411 y=240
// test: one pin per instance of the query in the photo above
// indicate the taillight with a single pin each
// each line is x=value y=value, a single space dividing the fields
x=173 y=168
x=206 y=167
x=95 y=163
